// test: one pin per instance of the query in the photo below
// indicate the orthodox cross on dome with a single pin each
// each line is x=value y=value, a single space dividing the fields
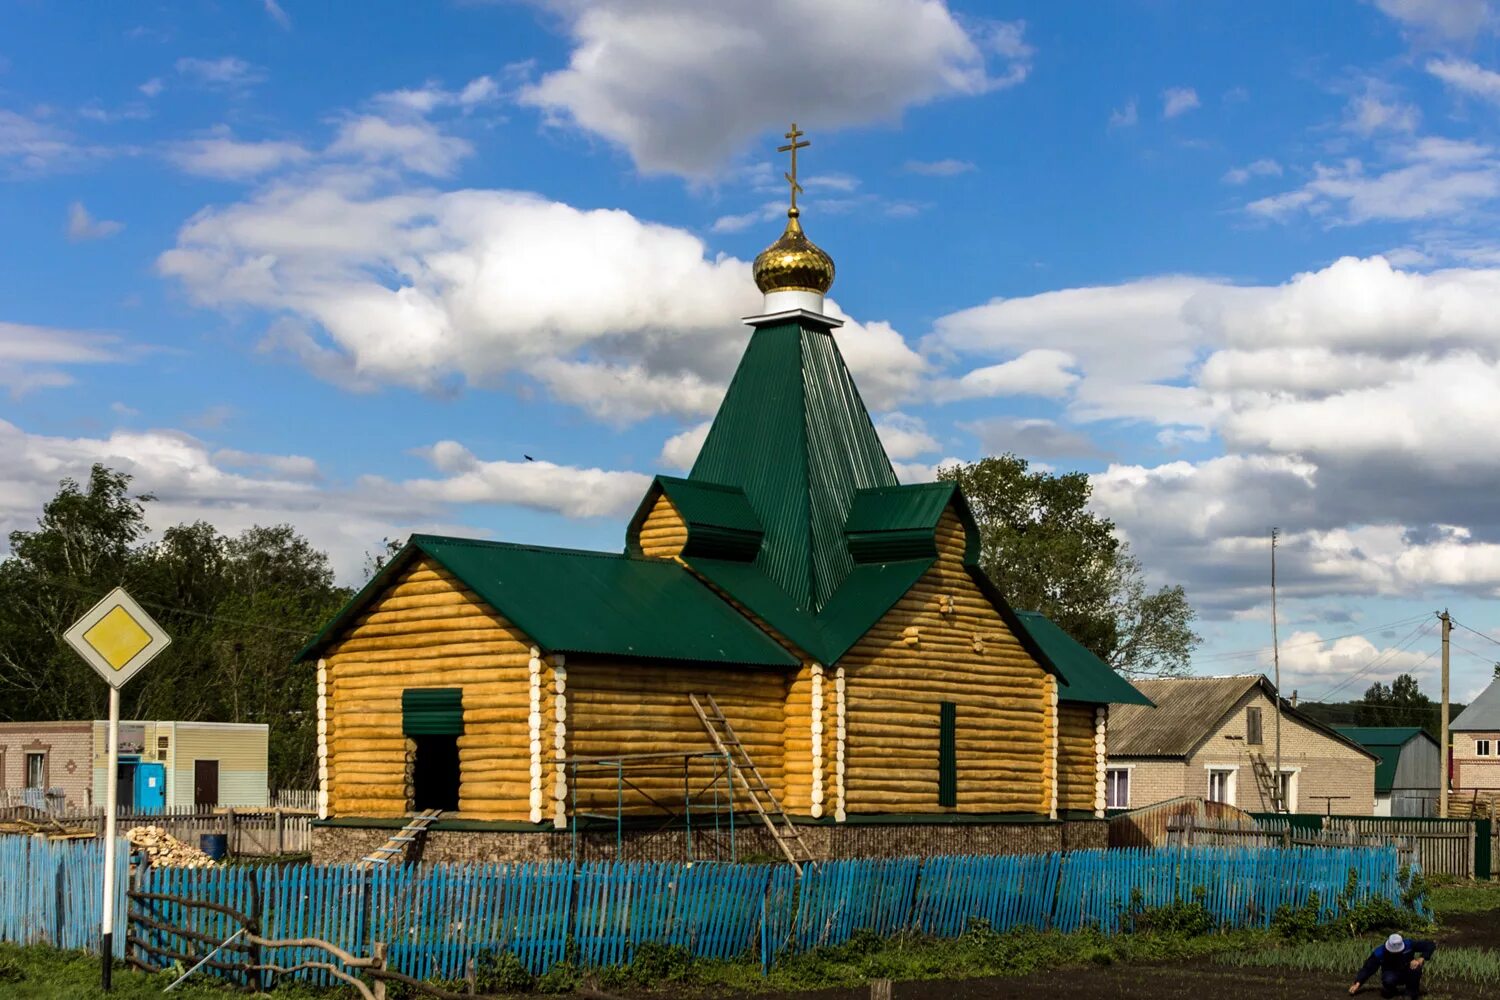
x=792 y=148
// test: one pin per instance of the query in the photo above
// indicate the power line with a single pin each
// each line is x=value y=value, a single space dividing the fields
x=159 y=606
x=1476 y=632
x=1376 y=661
x=1246 y=653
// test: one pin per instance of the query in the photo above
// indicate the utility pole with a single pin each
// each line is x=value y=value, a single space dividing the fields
x=1280 y=802
x=1443 y=724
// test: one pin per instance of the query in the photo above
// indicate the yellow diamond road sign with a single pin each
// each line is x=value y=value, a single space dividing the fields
x=117 y=637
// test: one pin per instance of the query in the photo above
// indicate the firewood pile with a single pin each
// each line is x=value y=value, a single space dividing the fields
x=165 y=850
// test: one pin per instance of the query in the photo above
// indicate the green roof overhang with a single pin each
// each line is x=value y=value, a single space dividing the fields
x=1087 y=678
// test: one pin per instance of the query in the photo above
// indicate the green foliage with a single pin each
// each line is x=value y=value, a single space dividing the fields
x=1048 y=552
x=653 y=964
x=1300 y=923
x=237 y=608
x=1465 y=966
x=11 y=971
x=502 y=972
x=1400 y=704
x=1189 y=918
x=563 y=977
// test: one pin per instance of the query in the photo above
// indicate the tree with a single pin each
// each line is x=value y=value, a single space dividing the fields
x=237 y=608
x=1400 y=704
x=1048 y=552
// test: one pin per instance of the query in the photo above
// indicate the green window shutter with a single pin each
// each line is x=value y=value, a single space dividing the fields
x=432 y=712
x=947 y=754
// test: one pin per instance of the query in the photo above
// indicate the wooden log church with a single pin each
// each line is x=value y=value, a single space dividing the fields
x=789 y=634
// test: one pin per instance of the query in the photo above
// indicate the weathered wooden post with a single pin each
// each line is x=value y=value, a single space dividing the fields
x=280 y=834
x=880 y=989
x=377 y=953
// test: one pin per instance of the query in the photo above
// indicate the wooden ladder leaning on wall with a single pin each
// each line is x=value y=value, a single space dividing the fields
x=742 y=767
x=1270 y=788
x=397 y=845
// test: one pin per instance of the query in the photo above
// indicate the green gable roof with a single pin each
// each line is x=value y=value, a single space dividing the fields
x=573 y=601
x=1385 y=742
x=1087 y=678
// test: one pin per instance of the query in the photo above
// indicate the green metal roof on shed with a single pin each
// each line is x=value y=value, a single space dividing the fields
x=574 y=601
x=1087 y=678
x=1386 y=743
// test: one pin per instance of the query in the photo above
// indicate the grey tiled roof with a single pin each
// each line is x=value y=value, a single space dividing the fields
x=1482 y=714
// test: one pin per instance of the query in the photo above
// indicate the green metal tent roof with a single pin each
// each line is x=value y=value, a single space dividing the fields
x=794 y=436
x=573 y=601
x=1088 y=679
x=1385 y=742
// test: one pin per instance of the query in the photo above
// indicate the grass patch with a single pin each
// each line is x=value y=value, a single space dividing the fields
x=1454 y=966
x=1464 y=897
x=38 y=972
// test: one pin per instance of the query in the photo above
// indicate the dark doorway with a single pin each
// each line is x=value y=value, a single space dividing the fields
x=125 y=786
x=434 y=773
x=206 y=783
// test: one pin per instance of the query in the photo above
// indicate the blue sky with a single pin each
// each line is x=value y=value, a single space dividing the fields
x=344 y=265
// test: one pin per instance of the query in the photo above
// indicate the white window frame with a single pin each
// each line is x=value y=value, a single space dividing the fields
x=1230 y=782
x=1123 y=769
x=1483 y=748
x=40 y=756
x=1293 y=780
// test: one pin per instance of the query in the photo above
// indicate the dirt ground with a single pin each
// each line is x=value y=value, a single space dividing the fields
x=1208 y=982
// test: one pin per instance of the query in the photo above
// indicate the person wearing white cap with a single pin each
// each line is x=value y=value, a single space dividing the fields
x=1400 y=961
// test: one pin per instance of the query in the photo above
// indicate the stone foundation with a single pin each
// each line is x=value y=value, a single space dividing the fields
x=751 y=842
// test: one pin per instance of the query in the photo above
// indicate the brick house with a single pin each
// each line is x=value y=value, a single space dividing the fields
x=1476 y=743
x=1208 y=736
x=47 y=759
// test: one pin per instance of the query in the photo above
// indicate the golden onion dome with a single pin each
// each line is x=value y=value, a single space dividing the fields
x=794 y=262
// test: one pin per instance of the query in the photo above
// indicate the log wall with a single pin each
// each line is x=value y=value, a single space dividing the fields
x=428 y=630
x=663 y=532
x=632 y=708
x=1077 y=763
x=961 y=651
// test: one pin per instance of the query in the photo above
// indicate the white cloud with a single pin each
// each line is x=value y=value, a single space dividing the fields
x=1038 y=372
x=1125 y=117
x=1258 y=168
x=421 y=288
x=681 y=450
x=30 y=145
x=683 y=85
x=224 y=73
x=220 y=154
x=905 y=436
x=417 y=145
x=431 y=96
x=1435 y=178
x=1030 y=437
x=235 y=489
x=83 y=226
x=275 y=13
x=1178 y=101
x=37 y=357
x=152 y=87
x=938 y=168
x=1465 y=76
x=1377 y=108
x=1345 y=666
x=538 y=485
x=1441 y=20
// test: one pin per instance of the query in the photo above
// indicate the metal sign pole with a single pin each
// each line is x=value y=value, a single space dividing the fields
x=117 y=638
x=112 y=788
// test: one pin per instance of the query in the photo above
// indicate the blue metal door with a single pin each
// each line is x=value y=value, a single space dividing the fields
x=150 y=787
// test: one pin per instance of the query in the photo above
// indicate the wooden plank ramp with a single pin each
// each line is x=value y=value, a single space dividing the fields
x=396 y=847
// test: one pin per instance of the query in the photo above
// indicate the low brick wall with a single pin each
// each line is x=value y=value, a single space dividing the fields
x=751 y=842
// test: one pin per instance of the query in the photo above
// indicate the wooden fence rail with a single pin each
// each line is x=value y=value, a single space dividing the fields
x=261 y=833
x=434 y=919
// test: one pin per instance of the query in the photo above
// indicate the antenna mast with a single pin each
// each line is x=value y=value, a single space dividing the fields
x=1276 y=660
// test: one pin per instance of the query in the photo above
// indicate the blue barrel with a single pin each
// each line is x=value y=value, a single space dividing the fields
x=215 y=845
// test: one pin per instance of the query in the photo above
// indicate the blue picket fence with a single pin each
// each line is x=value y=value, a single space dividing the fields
x=50 y=892
x=435 y=918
